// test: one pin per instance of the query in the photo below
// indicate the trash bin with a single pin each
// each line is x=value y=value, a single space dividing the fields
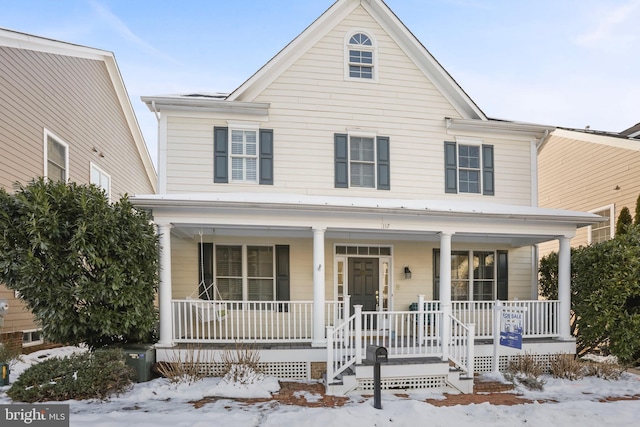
x=4 y=374
x=141 y=358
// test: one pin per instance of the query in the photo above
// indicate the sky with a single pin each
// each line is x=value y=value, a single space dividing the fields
x=158 y=403
x=568 y=63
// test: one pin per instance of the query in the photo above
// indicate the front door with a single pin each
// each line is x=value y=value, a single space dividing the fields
x=363 y=284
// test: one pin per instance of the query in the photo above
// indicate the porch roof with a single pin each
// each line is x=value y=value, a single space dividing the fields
x=441 y=208
x=293 y=215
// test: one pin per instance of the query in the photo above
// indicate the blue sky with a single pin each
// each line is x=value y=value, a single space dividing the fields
x=568 y=63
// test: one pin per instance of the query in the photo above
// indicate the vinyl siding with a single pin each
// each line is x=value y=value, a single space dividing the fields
x=583 y=176
x=74 y=99
x=418 y=255
x=311 y=101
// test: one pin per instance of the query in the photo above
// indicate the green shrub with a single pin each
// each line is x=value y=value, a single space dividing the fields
x=90 y=375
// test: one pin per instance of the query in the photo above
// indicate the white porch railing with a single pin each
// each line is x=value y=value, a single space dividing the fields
x=541 y=318
x=201 y=321
x=404 y=334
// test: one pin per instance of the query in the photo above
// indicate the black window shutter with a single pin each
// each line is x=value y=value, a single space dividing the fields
x=503 y=276
x=384 y=164
x=220 y=155
x=283 y=288
x=341 y=160
x=266 y=157
x=205 y=271
x=450 y=167
x=487 y=171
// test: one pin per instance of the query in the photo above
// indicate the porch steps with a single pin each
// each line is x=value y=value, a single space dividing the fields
x=425 y=373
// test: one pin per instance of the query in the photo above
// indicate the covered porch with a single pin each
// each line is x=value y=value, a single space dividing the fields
x=321 y=308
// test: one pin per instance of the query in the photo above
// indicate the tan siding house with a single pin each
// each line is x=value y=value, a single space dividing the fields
x=592 y=172
x=345 y=181
x=70 y=99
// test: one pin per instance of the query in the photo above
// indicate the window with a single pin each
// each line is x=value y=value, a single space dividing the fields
x=603 y=230
x=360 y=57
x=244 y=156
x=362 y=161
x=475 y=275
x=469 y=168
x=247 y=150
x=101 y=179
x=229 y=272
x=32 y=337
x=56 y=159
x=259 y=274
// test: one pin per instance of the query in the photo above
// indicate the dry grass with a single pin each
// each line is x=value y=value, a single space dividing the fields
x=183 y=367
x=241 y=364
x=526 y=370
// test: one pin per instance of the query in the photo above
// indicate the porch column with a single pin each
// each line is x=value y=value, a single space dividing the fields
x=164 y=289
x=445 y=290
x=318 y=333
x=564 y=288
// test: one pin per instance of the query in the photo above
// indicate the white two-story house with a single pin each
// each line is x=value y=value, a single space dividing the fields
x=314 y=209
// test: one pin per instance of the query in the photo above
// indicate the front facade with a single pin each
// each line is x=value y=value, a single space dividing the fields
x=568 y=156
x=349 y=192
x=65 y=115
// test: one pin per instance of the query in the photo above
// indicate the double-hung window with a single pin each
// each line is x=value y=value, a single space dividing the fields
x=244 y=156
x=360 y=53
x=475 y=275
x=245 y=272
x=469 y=168
x=602 y=230
x=56 y=159
x=362 y=161
x=101 y=179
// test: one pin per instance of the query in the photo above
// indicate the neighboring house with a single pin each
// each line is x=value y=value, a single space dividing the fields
x=65 y=114
x=312 y=210
x=590 y=171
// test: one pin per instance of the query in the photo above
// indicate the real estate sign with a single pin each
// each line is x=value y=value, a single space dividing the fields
x=511 y=325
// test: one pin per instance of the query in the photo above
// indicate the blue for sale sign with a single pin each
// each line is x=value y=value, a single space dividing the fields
x=511 y=326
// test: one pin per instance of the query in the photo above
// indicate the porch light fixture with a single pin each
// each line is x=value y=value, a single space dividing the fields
x=407 y=272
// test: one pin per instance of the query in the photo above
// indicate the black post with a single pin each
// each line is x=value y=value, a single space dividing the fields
x=376 y=386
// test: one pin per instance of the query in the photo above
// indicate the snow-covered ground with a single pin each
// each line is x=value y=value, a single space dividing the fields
x=159 y=403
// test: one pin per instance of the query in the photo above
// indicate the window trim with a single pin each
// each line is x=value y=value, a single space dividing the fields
x=478 y=145
x=486 y=178
x=374 y=163
x=93 y=166
x=244 y=127
x=471 y=279
x=48 y=134
x=245 y=269
x=32 y=342
x=612 y=221
x=347 y=57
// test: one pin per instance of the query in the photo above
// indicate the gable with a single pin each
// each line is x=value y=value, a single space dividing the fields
x=396 y=40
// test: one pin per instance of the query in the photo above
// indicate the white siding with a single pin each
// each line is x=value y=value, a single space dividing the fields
x=311 y=101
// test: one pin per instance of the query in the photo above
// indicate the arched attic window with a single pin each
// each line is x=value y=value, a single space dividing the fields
x=360 y=57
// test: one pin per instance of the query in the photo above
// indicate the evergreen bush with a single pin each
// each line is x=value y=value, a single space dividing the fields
x=88 y=375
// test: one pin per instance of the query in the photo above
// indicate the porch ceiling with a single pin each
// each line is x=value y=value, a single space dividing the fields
x=363 y=219
x=192 y=231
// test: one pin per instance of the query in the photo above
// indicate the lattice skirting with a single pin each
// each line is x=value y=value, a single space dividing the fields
x=281 y=370
x=485 y=363
x=414 y=383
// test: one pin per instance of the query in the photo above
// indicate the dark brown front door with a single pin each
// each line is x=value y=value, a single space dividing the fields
x=363 y=284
